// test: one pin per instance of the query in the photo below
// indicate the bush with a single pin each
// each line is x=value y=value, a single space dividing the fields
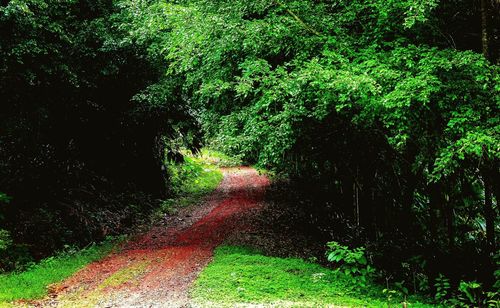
x=5 y=240
x=466 y=294
x=352 y=262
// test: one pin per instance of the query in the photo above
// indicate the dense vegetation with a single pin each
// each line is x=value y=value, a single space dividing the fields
x=85 y=120
x=383 y=113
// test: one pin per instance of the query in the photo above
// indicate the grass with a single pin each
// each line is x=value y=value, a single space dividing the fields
x=191 y=180
x=219 y=159
x=200 y=177
x=33 y=282
x=241 y=276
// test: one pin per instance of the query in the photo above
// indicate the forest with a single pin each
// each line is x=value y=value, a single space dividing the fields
x=376 y=121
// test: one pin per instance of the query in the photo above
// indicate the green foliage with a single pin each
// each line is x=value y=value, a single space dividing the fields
x=190 y=180
x=242 y=276
x=377 y=89
x=86 y=118
x=33 y=282
x=467 y=294
x=300 y=87
x=492 y=299
x=389 y=295
x=442 y=288
x=195 y=176
x=5 y=240
x=496 y=273
x=470 y=293
x=219 y=159
x=414 y=277
x=383 y=106
x=4 y=198
x=350 y=262
x=417 y=10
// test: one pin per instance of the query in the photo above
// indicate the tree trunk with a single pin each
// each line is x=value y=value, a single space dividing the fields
x=450 y=223
x=495 y=174
x=355 y=198
x=484 y=29
x=435 y=201
x=489 y=214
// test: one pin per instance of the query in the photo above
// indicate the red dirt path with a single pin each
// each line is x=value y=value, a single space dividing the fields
x=157 y=268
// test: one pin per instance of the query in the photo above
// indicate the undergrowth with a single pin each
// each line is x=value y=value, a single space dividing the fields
x=241 y=275
x=195 y=177
x=219 y=159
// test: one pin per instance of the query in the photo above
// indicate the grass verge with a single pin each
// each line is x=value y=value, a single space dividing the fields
x=191 y=180
x=241 y=276
x=32 y=283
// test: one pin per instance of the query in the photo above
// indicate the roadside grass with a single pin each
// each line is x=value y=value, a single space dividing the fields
x=198 y=178
x=32 y=283
x=240 y=275
x=191 y=180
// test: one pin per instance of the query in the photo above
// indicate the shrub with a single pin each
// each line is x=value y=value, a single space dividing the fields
x=352 y=262
x=5 y=240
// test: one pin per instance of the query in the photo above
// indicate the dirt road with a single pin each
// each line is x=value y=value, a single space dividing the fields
x=157 y=268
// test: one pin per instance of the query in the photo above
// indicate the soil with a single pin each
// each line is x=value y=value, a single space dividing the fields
x=157 y=268
x=285 y=227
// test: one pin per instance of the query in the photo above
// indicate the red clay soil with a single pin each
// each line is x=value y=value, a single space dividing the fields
x=157 y=268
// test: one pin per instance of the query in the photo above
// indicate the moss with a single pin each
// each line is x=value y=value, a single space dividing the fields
x=127 y=274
